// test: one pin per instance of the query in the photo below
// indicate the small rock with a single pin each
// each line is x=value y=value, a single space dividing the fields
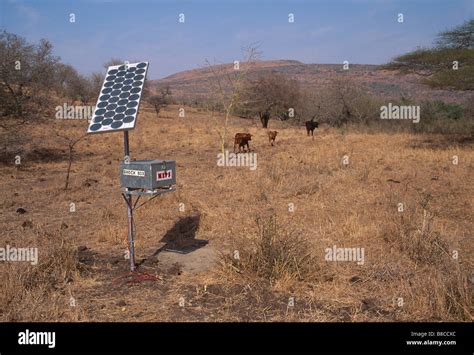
x=89 y=182
x=64 y=226
x=27 y=224
x=121 y=303
x=82 y=248
x=21 y=210
x=368 y=304
x=355 y=279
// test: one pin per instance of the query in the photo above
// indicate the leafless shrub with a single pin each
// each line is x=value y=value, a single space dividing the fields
x=226 y=87
x=161 y=100
x=71 y=143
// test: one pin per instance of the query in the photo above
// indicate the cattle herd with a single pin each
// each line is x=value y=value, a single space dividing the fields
x=241 y=140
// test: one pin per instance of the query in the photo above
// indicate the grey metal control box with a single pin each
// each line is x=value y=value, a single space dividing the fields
x=148 y=174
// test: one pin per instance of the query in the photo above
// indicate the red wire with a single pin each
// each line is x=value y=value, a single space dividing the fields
x=136 y=277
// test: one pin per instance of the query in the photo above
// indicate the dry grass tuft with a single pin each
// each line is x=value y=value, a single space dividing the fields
x=440 y=287
x=273 y=254
x=27 y=290
x=414 y=234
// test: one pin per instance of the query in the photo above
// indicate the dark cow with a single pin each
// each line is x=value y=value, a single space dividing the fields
x=271 y=136
x=242 y=140
x=311 y=126
x=264 y=118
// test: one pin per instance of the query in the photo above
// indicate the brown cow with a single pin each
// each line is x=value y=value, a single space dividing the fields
x=242 y=140
x=271 y=136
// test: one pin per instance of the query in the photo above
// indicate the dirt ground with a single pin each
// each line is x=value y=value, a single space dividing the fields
x=341 y=188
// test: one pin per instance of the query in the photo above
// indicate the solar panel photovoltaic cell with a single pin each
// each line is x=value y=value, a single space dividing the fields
x=119 y=98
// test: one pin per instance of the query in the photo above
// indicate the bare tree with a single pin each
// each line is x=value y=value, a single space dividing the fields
x=311 y=105
x=226 y=84
x=341 y=102
x=273 y=94
x=96 y=79
x=71 y=143
x=160 y=100
x=70 y=84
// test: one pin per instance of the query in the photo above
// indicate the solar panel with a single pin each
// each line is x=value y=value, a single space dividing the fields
x=119 y=98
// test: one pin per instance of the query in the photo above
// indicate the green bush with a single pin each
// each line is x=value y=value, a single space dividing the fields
x=440 y=117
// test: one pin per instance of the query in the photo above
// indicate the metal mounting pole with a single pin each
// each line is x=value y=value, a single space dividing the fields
x=128 y=197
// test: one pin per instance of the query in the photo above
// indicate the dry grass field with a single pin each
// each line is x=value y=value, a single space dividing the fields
x=343 y=188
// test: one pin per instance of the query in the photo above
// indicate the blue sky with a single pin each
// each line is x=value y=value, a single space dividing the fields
x=324 y=31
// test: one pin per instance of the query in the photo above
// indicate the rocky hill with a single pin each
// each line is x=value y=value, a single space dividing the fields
x=194 y=84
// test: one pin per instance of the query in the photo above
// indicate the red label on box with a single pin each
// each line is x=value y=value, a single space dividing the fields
x=164 y=175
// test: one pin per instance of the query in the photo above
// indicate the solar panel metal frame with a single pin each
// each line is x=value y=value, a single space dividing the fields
x=127 y=125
